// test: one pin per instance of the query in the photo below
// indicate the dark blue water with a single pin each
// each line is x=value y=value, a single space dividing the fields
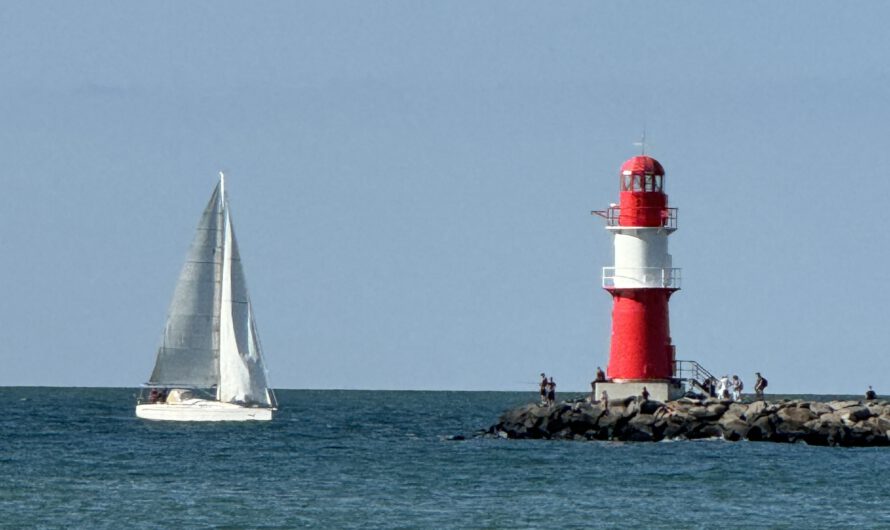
x=354 y=459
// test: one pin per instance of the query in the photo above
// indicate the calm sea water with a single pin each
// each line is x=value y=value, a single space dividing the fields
x=355 y=459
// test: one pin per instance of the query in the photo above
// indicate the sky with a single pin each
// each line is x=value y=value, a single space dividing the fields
x=411 y=184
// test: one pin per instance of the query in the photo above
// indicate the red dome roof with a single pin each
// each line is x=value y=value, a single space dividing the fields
x=642 y=165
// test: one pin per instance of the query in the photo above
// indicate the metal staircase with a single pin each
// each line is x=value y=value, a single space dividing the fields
x=695 y=377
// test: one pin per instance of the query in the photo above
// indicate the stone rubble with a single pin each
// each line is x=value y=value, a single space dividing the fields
x=833 y=423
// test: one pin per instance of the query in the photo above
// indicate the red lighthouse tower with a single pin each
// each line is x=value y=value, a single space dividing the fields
x=641 y=283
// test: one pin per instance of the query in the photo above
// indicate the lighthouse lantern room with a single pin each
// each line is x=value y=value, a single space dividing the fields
x=641 y=283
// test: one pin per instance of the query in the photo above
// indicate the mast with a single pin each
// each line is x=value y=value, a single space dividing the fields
x=221 y=285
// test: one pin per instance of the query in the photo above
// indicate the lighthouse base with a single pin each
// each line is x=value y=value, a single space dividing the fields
x=658 y=390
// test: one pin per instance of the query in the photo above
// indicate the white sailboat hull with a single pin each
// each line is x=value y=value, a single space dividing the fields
x=201 y=410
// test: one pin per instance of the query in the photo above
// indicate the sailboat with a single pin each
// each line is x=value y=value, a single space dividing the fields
x=209 y=365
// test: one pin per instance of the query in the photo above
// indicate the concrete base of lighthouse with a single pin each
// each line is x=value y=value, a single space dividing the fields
x=658 y=390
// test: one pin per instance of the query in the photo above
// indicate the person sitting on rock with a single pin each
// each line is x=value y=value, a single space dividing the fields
x=600 y=375
x=870 y=394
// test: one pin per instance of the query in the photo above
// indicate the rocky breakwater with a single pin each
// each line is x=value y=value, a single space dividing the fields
x=832 y=423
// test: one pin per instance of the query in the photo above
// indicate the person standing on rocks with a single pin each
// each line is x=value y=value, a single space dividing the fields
x=759 y=386
x=604 y=399
x=870 y=394
x=737 y=387
x=551 y=392
x=543 y=388
x=723 y=388
x=645 y=394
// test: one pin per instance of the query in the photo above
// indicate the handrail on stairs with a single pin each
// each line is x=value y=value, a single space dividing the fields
x=694 y=374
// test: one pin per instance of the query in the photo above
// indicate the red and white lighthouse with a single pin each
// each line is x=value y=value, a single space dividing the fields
x=641 y=283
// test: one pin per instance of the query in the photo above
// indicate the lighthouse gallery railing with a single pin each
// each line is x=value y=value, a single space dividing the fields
x=653 y=277
x=613 y=214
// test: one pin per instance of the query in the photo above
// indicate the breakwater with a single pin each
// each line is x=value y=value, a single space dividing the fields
x=832 y=423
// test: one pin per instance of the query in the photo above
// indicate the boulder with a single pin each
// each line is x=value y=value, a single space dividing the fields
x=865 y=434
x=650 y=407
x=609 y=421
x=883 y=423
x=738 y=409
x=704 y=430
x=789 y=431
x=677 y=424
x=838 y=405
x=734 y=430
x=796 y=415
x=717 y=409
x=820 y=408
x=640 y=428
x=705 y=413
x=761 y=429
x=821 y=432
x=877 y=409
x=630 y=409
x=855 y=414
x=756 y=409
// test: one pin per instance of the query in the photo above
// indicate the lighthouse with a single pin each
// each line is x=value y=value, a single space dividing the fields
x=641 y=282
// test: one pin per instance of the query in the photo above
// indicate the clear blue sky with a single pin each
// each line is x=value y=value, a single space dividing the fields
x=412 y=184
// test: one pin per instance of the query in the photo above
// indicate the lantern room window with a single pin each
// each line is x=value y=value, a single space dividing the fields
x=625 y=181
x=649 y=182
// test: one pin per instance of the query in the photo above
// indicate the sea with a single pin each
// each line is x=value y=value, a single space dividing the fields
x=79 y=458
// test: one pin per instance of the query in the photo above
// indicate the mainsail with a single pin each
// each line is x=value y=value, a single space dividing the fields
x=210 y=338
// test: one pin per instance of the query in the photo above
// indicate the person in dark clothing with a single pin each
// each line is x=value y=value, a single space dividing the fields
x=600 y=375
x=551 y=392
x=543 y=388
x=759 y=385
x=870 y=394
x=645 y=394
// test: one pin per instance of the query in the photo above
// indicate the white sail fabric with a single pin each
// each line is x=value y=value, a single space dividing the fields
x=210 y=338
x=189 y=350
x=242 y=376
